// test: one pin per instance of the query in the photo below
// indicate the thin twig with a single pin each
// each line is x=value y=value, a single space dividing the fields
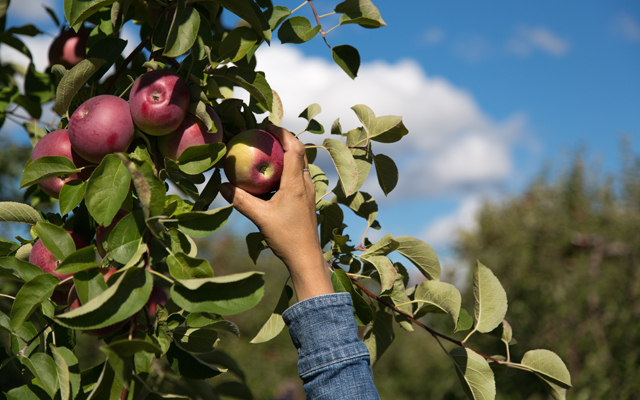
x=7 y=296
x=33 y=339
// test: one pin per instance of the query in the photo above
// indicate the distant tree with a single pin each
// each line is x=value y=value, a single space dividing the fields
x=570 y=247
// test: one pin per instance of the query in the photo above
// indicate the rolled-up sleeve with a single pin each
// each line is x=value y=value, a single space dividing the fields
x=333 y=362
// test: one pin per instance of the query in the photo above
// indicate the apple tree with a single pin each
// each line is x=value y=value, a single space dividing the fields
x=111 y=251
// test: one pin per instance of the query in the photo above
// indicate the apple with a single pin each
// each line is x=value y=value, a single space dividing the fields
x=69 y=48
x=57 y=143
x=191 y=132
x=103 y=231
x=100 y=126
x=158 y=296
x=159 y=100
x=46 y=261
x=254 y=161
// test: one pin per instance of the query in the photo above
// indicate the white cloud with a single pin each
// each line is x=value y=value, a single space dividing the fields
x=628 y=27
x=443 y=230
x=528 y=39
x=33 y=11
x=433 y=36
x=452 y=146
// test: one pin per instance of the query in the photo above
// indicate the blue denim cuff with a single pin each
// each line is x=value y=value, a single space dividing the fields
x=324 y=331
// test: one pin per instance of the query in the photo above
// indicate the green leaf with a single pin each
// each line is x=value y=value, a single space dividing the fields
x=387 y=173
x=189 y=366
x=320 y=181
x=297 y=30
x=73 y=80
x=465 y=321
x=43 y=368
x=223 y=295
x=436 y=296
x=18 y=212
x=44 y=168
x=151 y=190
x=332 y=217
x=73 y=367
x=62 y=370
x=56 y=239
x=275 y=323
x=361 y=309
x=490 y=299
x=29 y=297
x=124 y=239
x=107 y=189
x=548 y=366
x=503 y=332
x=89 y=285
x=79 y=260
x=249 y=11
x=181 y=266
x=344 y=163
x=183 y=32
x=129 y=347
x=28 y=392
x=237 y=43
x=71 y=195
x=361 y=12
x=202 y=223
x=379 y=336
x=475 y=374
x=209 y=193
x=77 y=11
x=313 y=126
x=195 y=340
x=388 y=129
x=383 y=247
x=421 y=255
x=198 y=159
x=16 y=43
x=120 y=301
x=39 y=85
x=276 y=15
x=347 y=58
x=251 y=81
x=362 y=204
x=107 y=49
x=255 y=245
x=26 y=271
x=385 y=269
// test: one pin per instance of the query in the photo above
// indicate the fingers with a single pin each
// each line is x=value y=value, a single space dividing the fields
x=245 y=203
x=295 y=159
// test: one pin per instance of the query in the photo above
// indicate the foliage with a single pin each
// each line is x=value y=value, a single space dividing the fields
x=147 y=356
x=569 y=251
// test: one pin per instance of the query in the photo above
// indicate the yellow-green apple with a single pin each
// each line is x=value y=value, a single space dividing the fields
x=159 y=100
x=191 y=132
x=100 y=126
x=46 y=261
x=254 y=161
x=69 y=48
x=57 y=143
x=103 y=231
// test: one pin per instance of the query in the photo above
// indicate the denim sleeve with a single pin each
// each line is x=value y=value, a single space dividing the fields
x=333 y=363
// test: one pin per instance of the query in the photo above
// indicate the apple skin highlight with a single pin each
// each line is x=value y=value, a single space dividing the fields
x=254 y=161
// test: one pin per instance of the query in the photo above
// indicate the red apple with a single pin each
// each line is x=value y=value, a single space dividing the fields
x=69 y=48
x=102 y=231
x=158 y=296
x=42 y=257
x=191 y=132
x=100 y=126
x=254 y=161
x=159 y=100
x=57 y=143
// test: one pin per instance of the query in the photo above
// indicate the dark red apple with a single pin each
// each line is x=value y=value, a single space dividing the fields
x=159 y=100
x=42 y=257
x=191 y=132
x=254 y=161
x=69 y=48
x=100 y=126
x=158 y=296
x=57 y=143
x=102 y=231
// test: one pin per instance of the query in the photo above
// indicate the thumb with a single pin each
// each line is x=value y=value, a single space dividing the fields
x=244 y=202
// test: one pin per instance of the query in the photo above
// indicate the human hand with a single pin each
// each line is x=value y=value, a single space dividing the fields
x=288 y=220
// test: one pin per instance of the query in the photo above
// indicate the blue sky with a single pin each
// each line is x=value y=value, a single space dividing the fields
x=490 y=92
